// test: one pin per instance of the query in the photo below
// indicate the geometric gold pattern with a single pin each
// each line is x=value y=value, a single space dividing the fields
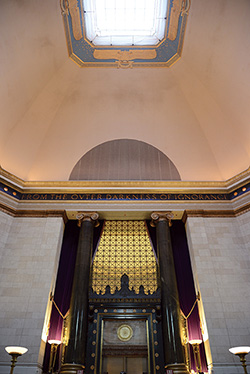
x=124 y=248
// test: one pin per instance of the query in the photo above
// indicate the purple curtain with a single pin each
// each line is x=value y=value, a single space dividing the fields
x=64 y=279
x=184 y=277
x=185 y=283
x=186 y=287
x=64 y=283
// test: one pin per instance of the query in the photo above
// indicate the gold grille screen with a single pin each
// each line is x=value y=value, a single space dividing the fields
x=124 y=248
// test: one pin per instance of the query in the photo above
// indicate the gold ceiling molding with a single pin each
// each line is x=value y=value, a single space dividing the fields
x=102 y=54
x=174 y=19
x=75 y=17
x=238 y=178
x=139 y=186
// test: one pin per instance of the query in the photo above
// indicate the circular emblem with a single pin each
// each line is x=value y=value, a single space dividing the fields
x=124 y=333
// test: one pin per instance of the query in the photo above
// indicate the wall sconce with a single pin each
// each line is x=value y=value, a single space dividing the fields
x=15 y=352
x=54 y=345
x=241 y=352
x=196 y=349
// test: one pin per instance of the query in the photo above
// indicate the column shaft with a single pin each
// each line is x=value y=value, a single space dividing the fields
x=173 y=349
x=78 y=316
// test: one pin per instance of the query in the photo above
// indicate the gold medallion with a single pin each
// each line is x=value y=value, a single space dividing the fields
x=124 y=333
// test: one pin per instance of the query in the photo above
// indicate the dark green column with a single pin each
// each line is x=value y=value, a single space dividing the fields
x=171 y=323
x=78 y=316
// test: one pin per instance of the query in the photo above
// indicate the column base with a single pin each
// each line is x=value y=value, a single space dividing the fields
x=177 y=368
x=71 y=368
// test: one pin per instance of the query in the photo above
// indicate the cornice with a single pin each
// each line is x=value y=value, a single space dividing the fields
x=58 y=196
x=215 y=213
x=33 y=213
x=90 y=186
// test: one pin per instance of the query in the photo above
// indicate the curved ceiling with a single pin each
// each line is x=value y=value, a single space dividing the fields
x=196 y=112
x=124 y=159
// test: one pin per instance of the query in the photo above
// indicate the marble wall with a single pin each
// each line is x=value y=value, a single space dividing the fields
x=220 y=256
x=30 y=249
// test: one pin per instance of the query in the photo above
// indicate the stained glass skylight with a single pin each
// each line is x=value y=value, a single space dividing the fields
x=125 y=22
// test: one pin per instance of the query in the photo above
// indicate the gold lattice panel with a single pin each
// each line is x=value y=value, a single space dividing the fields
x=124 y=248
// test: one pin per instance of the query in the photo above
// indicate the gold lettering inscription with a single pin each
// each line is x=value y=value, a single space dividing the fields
x=222 y=197
x=149 y=196
x=180 y=197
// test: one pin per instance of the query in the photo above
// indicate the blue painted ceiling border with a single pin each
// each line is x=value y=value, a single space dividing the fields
x=85 y=54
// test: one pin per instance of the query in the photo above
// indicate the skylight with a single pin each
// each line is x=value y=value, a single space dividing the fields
x=125 y=22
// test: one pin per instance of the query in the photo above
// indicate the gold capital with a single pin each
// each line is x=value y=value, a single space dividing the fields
x=177 y=368
x=87 y=216
x=72 y=368
x=161 y=216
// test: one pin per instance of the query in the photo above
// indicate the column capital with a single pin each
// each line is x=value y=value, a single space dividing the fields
x=87 y=216
x=72 y=368
x=161 y=216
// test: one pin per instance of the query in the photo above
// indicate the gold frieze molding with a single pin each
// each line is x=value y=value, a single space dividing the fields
x=26 y=198
x=121 y=188
x=126 y=186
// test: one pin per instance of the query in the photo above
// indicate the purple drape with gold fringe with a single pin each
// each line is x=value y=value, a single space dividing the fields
x=65 y=275
x=186 y=288
x=185 y=283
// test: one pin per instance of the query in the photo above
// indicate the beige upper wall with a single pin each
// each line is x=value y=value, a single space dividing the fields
x=196 y=112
